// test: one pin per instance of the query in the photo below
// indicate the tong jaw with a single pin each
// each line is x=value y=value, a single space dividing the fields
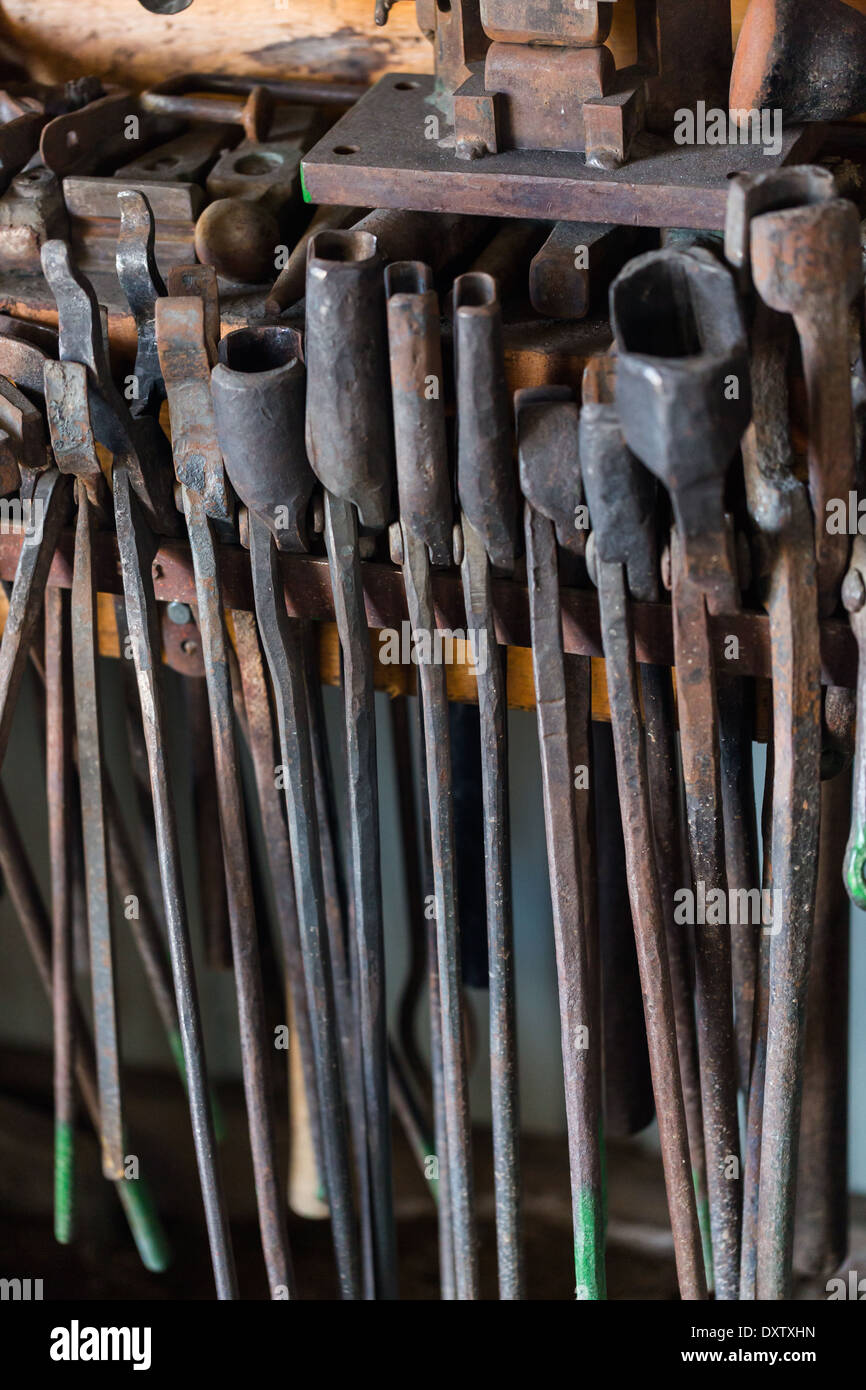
x=684 y=396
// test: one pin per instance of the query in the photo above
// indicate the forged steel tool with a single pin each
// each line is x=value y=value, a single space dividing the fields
x=821 y=1225
x=58 y=759
x=63 y=387
x=547 y=438
x=786 y=542
x=683 y=401
x=134 y=1194
x=489 y=529
x=66 y=402
x=349 y=445
x=184 y=357
x=259 y=730
x=422 y=537
x=258 y=391
x=622 y=561
x=806 y=262
x=136 y=465
x=736 y=704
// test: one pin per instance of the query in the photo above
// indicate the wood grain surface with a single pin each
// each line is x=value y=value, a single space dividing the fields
x=120 y=40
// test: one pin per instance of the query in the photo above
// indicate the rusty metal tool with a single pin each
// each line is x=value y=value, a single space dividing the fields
x=422 y=537
x=135 y=437
x=184 y=358
x=67 y=415
x=288 y=288
x=489 y=529
x=49 y=501
x=807 y=264
x=821 y=1224
x=671 y=853
x=765 y=231
x=58 y=760
x=259 y=730
x=547 y=425
x=350 y=448
x=804 y=62
x=736 y=706
x=134 y=1194
x=258 y=390
x=576 y=259
x=66 y=401
x=622 y=561
x=683 y=400
x=187 y=97
x=412 y=992
x=447 y=1285
x=755 y=1097
x=140 y=501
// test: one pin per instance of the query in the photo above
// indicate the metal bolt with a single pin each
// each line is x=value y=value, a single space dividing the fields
x=458 y=543
x=179 y=613
x=853 y=591
x=395 y=543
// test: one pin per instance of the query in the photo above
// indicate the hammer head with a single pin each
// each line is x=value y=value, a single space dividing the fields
x=807 y=60
x=683 y=389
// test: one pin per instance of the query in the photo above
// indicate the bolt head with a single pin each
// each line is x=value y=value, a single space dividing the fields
x=853 y=591
x=179 y=613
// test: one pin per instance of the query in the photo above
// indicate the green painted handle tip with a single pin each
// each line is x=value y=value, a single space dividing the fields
x=64 y=1181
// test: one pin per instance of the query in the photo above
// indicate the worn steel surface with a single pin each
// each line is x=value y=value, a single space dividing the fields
x=350 y=448
x=137 y=440
x=282 y=641
x=183 y=357
x=424 y=533
x=58 y=766
x=807 y=63
x=348 y=424
x=540 y=92
x=806 y=262
x=378 y=155
x=794 y=587
x=578 y=1003
x=621 y=497
x=488 y=496
x=821 y=1222
x=136 y=545
x=263 y=748
x=18 y=875
x=547 y=22
x=680 y=339
x=81 y=330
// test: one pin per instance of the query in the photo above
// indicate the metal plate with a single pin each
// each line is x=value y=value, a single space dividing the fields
x=377 y=155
